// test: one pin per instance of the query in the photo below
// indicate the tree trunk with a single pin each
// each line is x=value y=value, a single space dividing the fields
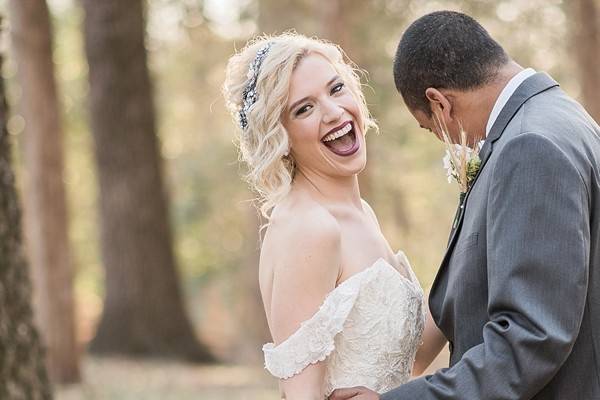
x=341 y=22
x=46 y=223
x=143 y=307
x=22 y=370
x=276 y=16
x=586 y=45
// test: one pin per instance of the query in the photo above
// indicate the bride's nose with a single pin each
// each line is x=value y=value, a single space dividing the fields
x=332 y=111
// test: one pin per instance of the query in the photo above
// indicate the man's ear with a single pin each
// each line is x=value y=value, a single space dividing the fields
x=440 y=104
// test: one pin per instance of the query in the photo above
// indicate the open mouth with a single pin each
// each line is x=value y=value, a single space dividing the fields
x=342 y=140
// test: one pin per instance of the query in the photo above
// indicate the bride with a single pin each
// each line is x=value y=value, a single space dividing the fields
x=342 y=307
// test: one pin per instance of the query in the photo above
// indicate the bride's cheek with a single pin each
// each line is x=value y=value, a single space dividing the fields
x=352 y=107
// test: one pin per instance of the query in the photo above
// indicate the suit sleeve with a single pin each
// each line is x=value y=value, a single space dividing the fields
x=538 y=242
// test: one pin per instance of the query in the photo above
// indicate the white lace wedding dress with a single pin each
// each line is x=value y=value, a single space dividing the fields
x=367 y=330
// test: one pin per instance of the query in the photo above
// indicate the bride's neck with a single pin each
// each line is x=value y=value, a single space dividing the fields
x=329 y=190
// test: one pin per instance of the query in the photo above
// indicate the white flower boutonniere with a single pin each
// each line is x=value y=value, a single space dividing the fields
x=462 y=163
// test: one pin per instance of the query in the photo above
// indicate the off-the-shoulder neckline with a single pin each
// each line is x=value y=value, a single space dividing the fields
x=380 y=262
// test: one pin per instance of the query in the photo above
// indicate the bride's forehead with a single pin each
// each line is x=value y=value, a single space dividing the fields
x=313 y=66
x=312 y=73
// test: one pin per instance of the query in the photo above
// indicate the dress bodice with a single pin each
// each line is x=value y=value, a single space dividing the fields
x=367 y=331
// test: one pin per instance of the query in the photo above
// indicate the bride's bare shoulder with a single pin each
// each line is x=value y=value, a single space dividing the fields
x=300 y=264
x=300 y=217
x=300 y=228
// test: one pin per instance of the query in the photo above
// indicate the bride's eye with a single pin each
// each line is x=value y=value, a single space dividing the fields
x=337 y=88
x=302 y=110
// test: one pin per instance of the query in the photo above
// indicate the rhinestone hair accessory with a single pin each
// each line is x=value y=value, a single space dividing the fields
x=249 y=95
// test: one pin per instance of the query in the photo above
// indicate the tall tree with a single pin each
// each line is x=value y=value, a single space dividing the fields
x=343 y=22
x=22 y=370
x=276 y=16
x=46 y=223
x=143 y=307
x=586 y=45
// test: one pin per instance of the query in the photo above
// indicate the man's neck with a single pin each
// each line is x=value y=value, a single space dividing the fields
x=483 y=99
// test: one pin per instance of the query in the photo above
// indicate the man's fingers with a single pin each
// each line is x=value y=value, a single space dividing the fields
x=345 y=393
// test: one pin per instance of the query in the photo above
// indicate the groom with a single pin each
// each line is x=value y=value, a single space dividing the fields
x=518 y=292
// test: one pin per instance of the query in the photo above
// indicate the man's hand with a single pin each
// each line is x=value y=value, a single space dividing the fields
x=354 y=393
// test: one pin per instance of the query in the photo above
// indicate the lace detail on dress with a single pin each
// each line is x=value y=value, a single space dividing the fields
x=366 y=331
x=313 y=341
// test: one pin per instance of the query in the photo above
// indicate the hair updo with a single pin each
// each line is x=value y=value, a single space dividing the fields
x=264 y=144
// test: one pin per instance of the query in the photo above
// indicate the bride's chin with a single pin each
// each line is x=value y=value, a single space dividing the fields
x=339 y=166
x=357 y=164
x=348 y=170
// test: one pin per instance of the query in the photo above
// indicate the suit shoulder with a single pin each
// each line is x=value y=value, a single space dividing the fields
x=534 y=144
x=534 y=153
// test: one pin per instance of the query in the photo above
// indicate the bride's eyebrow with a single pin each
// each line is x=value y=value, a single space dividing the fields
x=335 y=78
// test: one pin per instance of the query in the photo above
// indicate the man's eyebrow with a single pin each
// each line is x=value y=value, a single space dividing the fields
x=335 y=78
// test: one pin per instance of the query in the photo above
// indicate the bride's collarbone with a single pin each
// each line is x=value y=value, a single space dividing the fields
x=359 y=256
x=362 y=246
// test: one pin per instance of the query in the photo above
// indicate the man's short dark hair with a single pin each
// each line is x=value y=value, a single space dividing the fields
x=444 y=50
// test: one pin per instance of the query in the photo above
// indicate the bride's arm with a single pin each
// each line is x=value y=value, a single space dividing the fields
x=433 y=342
x=305 y=273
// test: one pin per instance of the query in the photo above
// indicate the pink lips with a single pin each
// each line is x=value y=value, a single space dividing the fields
x=355 y=145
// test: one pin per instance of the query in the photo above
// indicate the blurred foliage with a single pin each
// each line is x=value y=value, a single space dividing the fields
x=189 y=42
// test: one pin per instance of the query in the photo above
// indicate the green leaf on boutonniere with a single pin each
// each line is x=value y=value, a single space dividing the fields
x=473 y=166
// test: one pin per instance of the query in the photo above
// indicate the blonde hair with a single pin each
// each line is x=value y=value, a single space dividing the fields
x=264 y=143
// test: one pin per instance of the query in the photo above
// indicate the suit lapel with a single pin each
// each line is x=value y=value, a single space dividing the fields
x=532 y=86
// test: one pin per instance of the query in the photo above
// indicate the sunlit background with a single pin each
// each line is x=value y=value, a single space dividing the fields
x=215 y=225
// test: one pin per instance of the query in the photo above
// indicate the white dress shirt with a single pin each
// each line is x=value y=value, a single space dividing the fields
x=508 y=91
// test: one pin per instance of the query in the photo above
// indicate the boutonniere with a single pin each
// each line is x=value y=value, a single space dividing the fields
x=462 y=164
x=462 y=161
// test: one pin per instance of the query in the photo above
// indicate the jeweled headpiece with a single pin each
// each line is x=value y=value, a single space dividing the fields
x=249 y=95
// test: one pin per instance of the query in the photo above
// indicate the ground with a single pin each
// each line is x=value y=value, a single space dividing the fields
x=124 y=379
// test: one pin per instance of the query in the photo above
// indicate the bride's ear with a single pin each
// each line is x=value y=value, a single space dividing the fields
x=439 y=103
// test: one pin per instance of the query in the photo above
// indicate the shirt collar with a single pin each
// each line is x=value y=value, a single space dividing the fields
x=506 y=93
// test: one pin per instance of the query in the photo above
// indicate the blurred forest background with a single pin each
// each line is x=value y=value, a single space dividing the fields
x=136 y=257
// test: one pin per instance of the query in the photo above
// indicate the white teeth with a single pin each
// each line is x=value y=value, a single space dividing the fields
x=338 y=134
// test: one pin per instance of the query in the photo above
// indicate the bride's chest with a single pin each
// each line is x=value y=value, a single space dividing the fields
x=361 y=245
x=387 y=319
x=389 y=303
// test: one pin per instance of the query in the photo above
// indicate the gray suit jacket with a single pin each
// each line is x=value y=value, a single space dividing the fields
x=518 y=291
